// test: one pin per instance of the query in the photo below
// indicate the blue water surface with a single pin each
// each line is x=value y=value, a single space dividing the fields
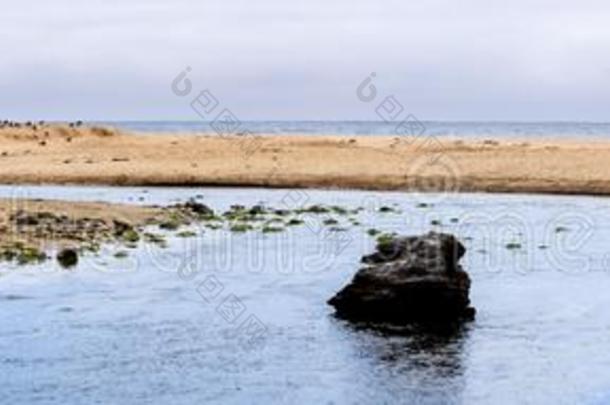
x=154 y=328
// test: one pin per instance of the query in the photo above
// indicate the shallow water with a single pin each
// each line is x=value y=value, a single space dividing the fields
x=156 y=327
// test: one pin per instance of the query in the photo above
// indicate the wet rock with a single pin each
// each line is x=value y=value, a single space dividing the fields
x=198 y=208
x=409 y=279
x=67 y=258
x=21 y=253
x=238 y=213
x=125 y=232
x=131 y=236
x=314 y=209
x=170 y=225
x=257 y=210
x=121 y=227
x=193 y=210
x=22 y=218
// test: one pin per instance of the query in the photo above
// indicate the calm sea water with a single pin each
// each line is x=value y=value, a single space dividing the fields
x=435 y=128
x=137 y=331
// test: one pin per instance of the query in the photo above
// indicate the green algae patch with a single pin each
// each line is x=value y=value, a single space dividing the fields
x=240 y=228
x=272 y=229
x=186 y=234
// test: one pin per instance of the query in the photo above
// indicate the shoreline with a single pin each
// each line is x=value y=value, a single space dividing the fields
x=62 y=155
x=514 y=190
x=31 y=228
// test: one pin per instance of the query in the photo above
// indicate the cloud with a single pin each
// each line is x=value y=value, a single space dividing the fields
x=303 y=60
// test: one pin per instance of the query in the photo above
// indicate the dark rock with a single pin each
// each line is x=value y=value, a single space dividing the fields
x=121 y=227
x=67 y=258
x=170 y=225
x=198 y=208
x=314 y=209
x=22 y=218
x=257 y=210
x=409 y=279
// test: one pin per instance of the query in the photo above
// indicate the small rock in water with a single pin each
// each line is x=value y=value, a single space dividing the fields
x=198 y=208
x=120 y=227
x=67 y=258
x=409 y=279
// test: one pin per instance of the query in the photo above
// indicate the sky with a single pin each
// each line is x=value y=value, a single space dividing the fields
x=534 y=60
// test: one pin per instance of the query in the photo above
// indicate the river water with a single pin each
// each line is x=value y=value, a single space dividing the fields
x=241 y=318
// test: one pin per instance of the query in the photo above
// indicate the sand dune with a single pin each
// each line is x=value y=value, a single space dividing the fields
x=82 y=155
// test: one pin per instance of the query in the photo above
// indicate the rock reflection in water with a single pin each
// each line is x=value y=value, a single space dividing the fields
x=427 y=359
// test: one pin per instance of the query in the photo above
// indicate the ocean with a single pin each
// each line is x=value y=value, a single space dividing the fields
x=430 y=128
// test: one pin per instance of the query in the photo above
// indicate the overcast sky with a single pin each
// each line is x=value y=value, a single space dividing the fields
x=279 y=59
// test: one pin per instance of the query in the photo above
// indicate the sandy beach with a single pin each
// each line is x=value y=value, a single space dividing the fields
x=57 y=154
